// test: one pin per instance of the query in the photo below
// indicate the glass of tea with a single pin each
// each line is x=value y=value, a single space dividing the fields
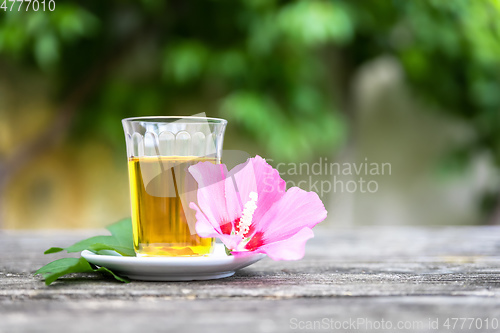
x=160 y=151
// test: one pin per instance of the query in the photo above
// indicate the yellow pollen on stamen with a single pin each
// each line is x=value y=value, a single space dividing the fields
x=246 y=216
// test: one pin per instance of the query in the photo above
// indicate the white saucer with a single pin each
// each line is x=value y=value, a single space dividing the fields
x=215 y=266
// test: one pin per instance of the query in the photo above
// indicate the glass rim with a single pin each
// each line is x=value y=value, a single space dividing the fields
x=160 y=119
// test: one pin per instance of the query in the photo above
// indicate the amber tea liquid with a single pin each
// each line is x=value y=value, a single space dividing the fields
x=161 y=189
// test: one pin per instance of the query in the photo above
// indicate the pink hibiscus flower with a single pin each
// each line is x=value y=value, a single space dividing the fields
x=250 y=211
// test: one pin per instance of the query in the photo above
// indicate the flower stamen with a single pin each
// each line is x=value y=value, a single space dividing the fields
x=246 y=217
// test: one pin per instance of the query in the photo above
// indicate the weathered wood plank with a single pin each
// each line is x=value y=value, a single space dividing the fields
x=394 y=273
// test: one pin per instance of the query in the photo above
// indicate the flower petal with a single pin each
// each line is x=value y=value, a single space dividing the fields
x=292 y=248
x=231 y=241
x=255 y=175
x=294 y=211
x=211 y=193
x=270 y=186
x=240 y=182
x=206 y=229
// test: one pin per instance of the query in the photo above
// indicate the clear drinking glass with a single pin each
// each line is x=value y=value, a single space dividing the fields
x=159 y=151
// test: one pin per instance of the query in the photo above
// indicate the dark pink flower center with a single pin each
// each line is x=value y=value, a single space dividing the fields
x=255 y=242
x=226 y=228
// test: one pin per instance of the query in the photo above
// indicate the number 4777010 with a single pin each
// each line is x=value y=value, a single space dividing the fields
x=26 y=5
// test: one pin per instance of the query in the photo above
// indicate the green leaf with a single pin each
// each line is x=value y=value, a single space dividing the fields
x=102 y=243
x=122 y=231
x=121 y=241
x=120 y=249
x=54 y=250
x=110 y=272
x=87 y=243
x=55 y=269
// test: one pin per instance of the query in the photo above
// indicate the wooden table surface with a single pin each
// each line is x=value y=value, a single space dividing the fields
x=396 y=279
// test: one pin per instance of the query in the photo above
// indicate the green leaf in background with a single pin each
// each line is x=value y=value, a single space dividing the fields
x=311 y=23
x=120 y=241
x=61 y=267
x=259 y=113
x=47 y=51
x=185 y=61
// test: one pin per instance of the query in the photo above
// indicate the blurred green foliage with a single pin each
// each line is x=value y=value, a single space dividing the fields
x=266 y=65
x=450 y=51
